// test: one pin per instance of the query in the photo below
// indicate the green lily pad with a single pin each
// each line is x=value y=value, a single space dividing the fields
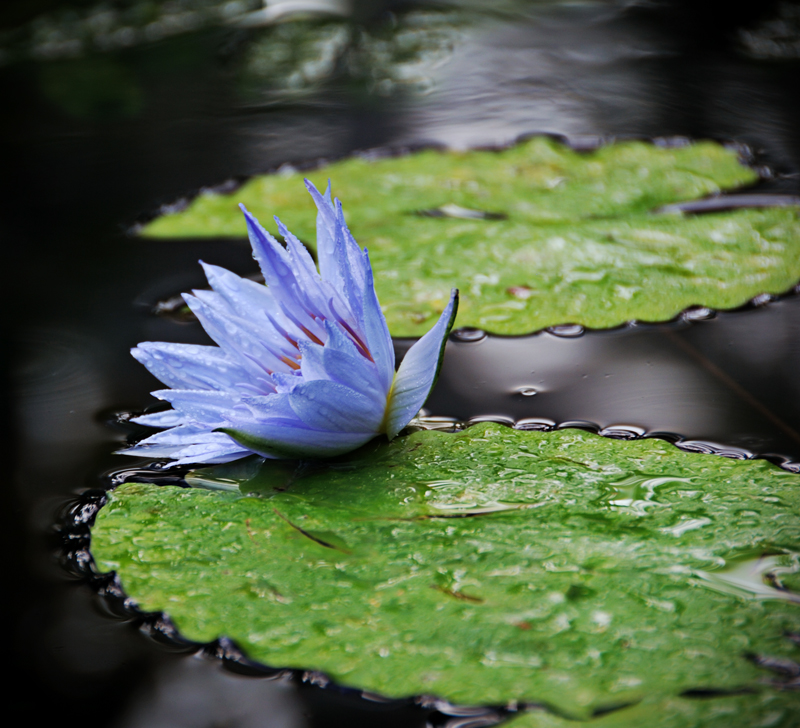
x=535 y=235
x=484 y=566
x=769 y=708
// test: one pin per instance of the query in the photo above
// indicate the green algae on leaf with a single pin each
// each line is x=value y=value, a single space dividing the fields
x=534 y=235
x=484 y=566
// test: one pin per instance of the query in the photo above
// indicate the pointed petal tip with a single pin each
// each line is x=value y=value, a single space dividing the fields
x=250 y=219
x=311 y=186
x=452 y=304
x=419 y=370
x=315 y=193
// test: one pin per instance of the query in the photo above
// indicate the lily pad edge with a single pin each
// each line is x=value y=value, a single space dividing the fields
x=75 y=554
x=579 y=144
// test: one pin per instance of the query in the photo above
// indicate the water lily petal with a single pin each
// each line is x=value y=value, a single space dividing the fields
x=272 y=408
x=242 y=296
x=213 y=453
x=326 y=234
x=258 y=351
x=338 y=262
x=211 y=408
x=271 y=255
x=304 y=365
x=302 y=262
x=332 y=406
x=340 y=361
x=186 y=443
x=257 y=324
x=282 y=441
x=350 y=267
x=315 y=291
x=189 y=366
x=179 y=437
x=276 y=262
x=418 y=371
x=378 y=338
x=167 y=418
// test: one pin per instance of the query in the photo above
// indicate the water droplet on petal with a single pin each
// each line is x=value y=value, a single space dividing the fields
x=527 y=391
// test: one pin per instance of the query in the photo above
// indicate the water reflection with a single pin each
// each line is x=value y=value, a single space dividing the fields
x=599 y=69
x=192 y=693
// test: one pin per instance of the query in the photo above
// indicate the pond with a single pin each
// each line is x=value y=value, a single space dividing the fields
x=124 y=113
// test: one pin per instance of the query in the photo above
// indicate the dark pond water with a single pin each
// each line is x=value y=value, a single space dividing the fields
x=93 y=142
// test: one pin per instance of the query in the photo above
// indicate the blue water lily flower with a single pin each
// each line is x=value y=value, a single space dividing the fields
x=304 y=365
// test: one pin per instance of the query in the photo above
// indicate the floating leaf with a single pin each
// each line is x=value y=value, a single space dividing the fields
x=769 y=708
x=483 y=566
x=535 y=235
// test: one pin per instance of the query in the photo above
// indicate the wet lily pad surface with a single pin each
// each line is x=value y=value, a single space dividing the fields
x=769 y=708
x=484 y=566
x=534 y=235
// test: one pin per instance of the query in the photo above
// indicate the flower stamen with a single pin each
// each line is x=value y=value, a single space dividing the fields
x=311 y=336
x=360 y=345
x=293 y=364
